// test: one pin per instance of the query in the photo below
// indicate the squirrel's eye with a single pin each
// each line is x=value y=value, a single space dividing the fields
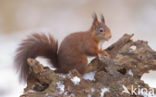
x=101 y=30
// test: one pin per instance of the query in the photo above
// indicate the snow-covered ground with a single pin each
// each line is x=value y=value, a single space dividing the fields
x=9 y=84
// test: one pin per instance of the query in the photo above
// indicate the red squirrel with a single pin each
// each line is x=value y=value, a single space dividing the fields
x=72 y=53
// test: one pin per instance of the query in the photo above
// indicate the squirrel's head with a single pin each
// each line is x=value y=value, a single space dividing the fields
x=99 y=29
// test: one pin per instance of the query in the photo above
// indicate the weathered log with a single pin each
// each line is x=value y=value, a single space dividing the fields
x=129 y=61
x=114 y=48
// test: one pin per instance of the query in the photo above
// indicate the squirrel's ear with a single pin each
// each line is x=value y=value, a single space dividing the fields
x=102 y=19
x=95 y=20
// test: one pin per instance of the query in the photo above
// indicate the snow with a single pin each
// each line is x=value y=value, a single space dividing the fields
x=9 y=83
x=89 y=95
x=72 y=95
x=62 y=75
x=103 y=91
x=60 y=86
x=92 y=90
x=150 y=78
x=30 y=91
x=89 y=76
x=90 y=59
x=76 y=80
x=133 y=47
x=130 y=72
x=47 y=95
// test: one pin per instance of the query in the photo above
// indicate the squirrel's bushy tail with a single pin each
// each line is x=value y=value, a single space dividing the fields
x=35 y=45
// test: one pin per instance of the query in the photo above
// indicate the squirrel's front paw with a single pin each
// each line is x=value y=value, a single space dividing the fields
x=100 y=51
x=106 y=54
x=104 y=57
x=103 y=53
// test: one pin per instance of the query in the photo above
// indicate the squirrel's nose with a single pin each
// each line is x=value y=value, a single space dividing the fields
x=110 y=36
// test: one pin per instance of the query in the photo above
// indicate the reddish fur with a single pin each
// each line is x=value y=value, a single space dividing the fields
x=72 y=53
x=74 y=50
x=35 y=45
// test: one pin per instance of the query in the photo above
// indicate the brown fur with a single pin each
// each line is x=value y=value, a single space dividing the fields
x=72 y=53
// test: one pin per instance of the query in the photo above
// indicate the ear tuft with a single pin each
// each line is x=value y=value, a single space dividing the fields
x=94 y=16
x=95 y=19
x=102 y=18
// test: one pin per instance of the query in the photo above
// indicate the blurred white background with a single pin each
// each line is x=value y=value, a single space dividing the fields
x=19 y=18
